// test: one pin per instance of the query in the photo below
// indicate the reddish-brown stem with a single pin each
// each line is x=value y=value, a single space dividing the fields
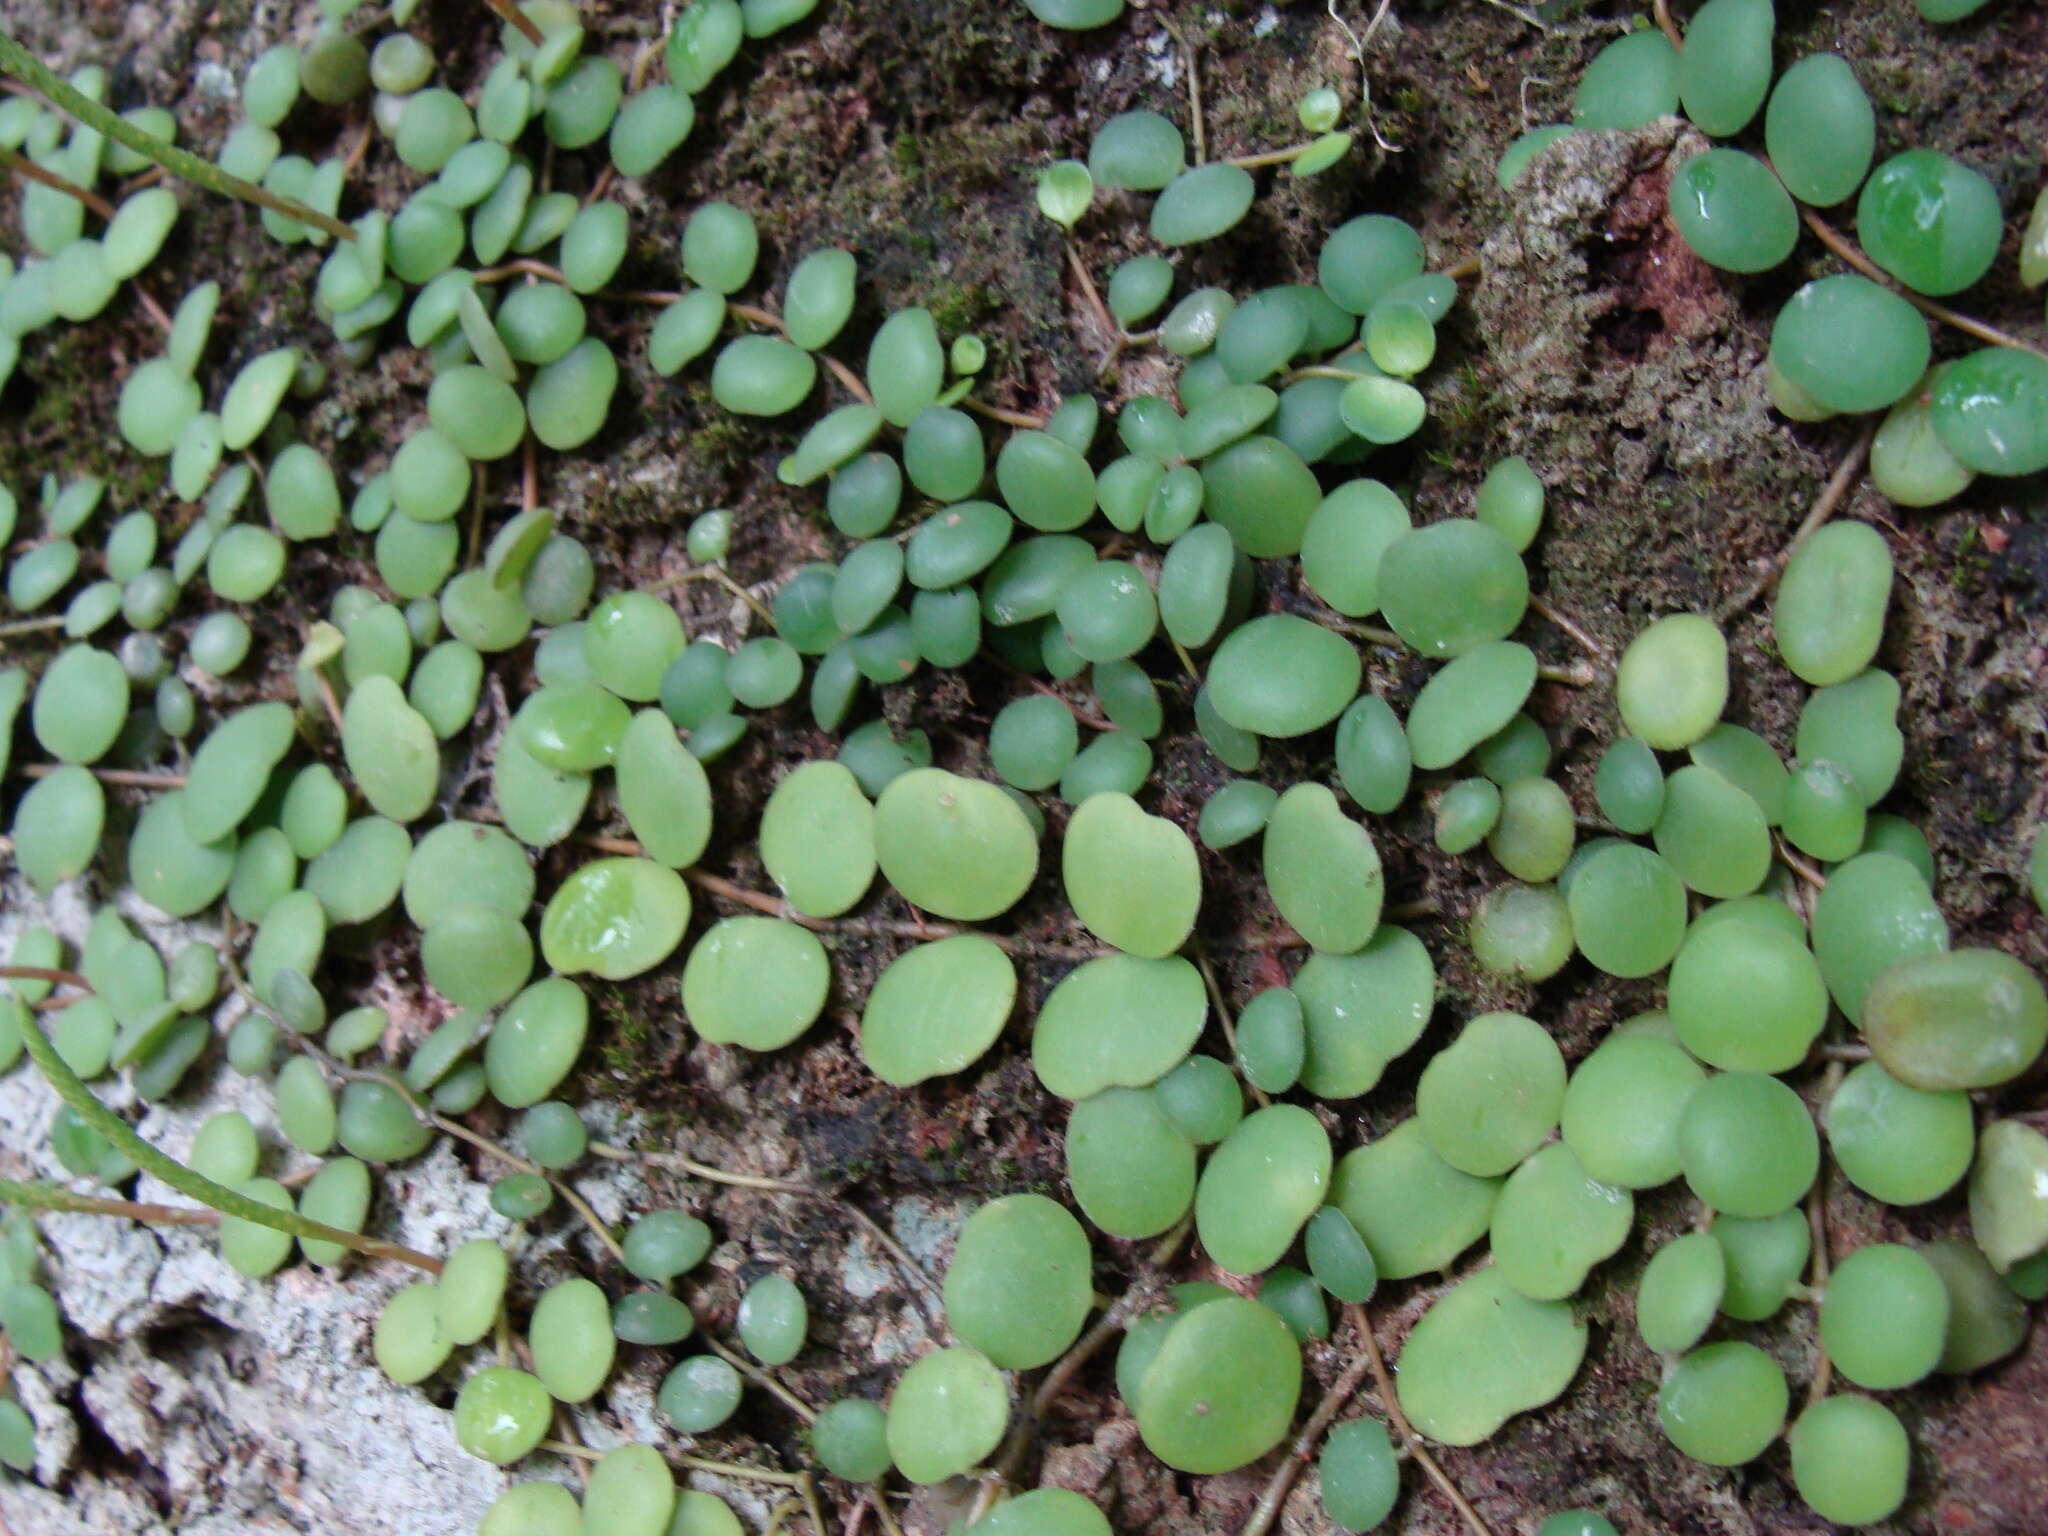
x=1008 y=418
x=54 y=1198
x=1090 y=293
x=125 y=778
x=1667 y=25
x=1223 y=1018
x=524 y=23
x=1832 y=495
x=44 y=973
x=1282 y=1481
x=26 y=168
x=520 y=266
x=1416 y=1449
x=1850 y=252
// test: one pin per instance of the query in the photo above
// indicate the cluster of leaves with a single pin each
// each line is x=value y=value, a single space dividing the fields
x=1844 y=343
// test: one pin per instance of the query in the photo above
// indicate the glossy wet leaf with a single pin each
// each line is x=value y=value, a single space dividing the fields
x=774 y=1319
x=1554 y=1222
x=1820 y=130
x=1849 y=344
x=1452 y=586
x=1673 y=681
x=1747 y=998
x=391 y=751
x=571 y=1337
x=1415 y=1211
x=614 y=917
x=662 y=790
x=1747 y=1145
x=501 y=1414
x=1470 y=700
x=1723 y=1404
x=1969 y=1018
x=1628 y=911
x=1680 y=1292
x=1622 y=1107
x=80 y=703
x=1489 y=1099
x=1898 y=1144
x=758 y=982
x=231 y=768
x=1713 y=834
x=1831 y=603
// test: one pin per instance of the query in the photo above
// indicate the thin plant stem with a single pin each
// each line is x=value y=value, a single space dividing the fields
x=1850 y=252
x=54 y=1197
x=1580 y=676
x=1832 y=495
x=1091 y=293
x=1267 y=1510
x=124 y=778
x=521 y=266
x=1573 y=628
x=1269 y=157
x=1417 y=1451
x=1223 y=1017
x=483 y=1143
x=27 y=68
x=31 y=626
x=1666 y=25
x=1521 y=14
x=159 y=1165
x=1006 y=417
x=763 y=1378
x=1800 y=867
x=911 y=1269
x=725 y=579
x=26 y=168
x=523 y=23
x=1817 y=1222
x=1323 y=371
x=739 y=1470
x=808 y=1487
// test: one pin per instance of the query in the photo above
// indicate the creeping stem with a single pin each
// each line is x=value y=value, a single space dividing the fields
x=73 y=1091
x=31 y=71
